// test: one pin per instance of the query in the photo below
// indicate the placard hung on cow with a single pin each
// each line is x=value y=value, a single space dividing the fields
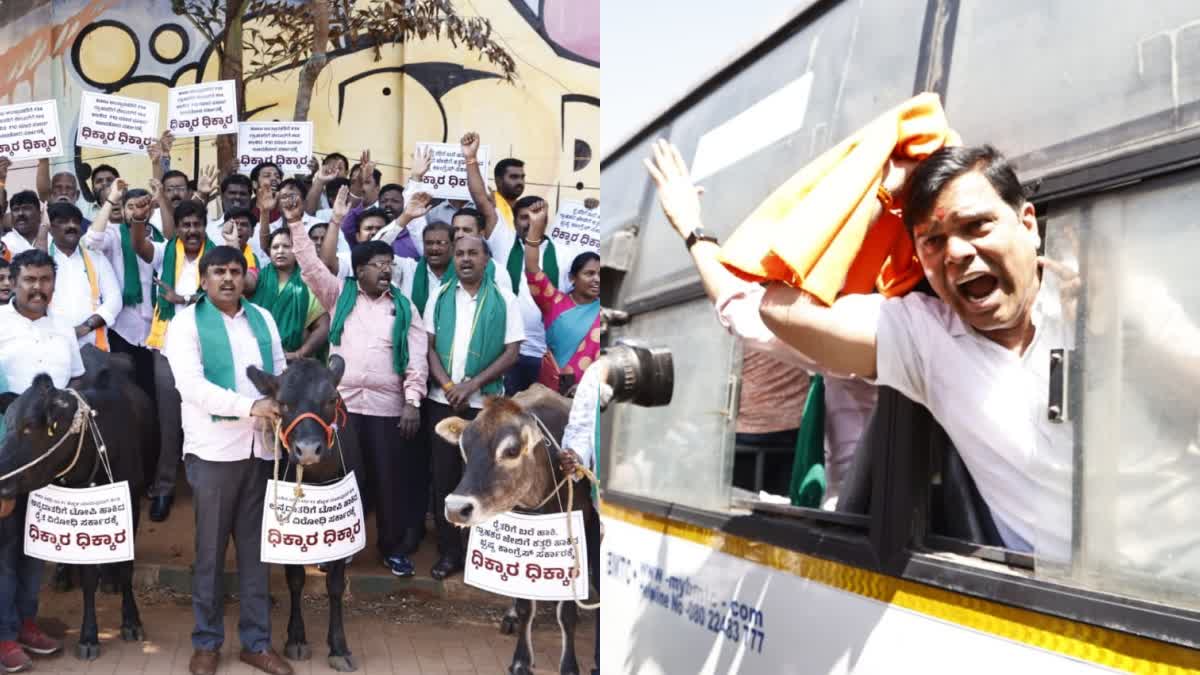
x=324 y=524
x=529 y=556
x=116 y=123
x=287 y=144
x=447 y=174
x=205 y=109
x=30 y=130
x=87 y=526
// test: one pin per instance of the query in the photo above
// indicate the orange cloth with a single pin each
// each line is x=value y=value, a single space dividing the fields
x=811 y=232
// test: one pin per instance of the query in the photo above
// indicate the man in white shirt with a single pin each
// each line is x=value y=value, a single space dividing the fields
x=226 y=460
x=102 y=179
x=475 y=333
x=502 y=240
x=87 y=295
x=31 y=343
x=25 y=209
x=235 y=195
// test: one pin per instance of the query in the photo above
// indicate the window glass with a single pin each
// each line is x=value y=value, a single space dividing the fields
x=681 y=453
x=1134 y=405
x=1050 y=83
x=624 y=182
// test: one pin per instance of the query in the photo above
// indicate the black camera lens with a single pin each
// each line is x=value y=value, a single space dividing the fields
x=640 y=374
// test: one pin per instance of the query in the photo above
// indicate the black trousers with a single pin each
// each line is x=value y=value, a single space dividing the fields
x=143 y=377
x=382 y=487
x=447 y=472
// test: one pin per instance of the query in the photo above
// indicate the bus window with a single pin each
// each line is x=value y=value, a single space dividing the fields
x=681 y=453
x=1133 y=80
x=1132 y=394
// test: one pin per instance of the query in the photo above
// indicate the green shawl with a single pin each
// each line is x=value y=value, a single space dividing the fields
x=216 y=354
x=288 y=305
x=487 y=330
x=131 y=294
x=420 y=283
x=400 y=324
x=516 y=264
x=808 y=463
x=166 y=310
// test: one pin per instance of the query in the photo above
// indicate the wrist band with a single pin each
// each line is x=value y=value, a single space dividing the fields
x=447 y=387
x=534 y=243
x=472 y=161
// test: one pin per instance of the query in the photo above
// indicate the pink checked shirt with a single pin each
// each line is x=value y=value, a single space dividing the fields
x=370 y=385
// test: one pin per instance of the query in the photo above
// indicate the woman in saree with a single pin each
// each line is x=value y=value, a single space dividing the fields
x=303 y=323
x=572 y=319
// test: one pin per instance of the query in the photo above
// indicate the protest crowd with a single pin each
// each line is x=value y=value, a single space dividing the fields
x=423 y=307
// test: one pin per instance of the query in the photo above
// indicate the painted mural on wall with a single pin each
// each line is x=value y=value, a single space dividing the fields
x=422 y=90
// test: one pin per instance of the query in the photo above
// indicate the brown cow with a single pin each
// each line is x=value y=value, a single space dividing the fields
x=512 y=466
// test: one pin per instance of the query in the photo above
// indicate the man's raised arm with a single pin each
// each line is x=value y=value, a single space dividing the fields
x=476 y=184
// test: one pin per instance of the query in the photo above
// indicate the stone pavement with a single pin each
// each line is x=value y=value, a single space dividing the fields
x=390 y=635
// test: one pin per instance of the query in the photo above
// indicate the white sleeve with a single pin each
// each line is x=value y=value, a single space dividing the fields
x=580 y=433
x=430 y=306
x=101 y=241
x=76 y=357
x=514 y=329
x=900 y=342
x=416 y=229
x=110 y=292
x=160 y=251
x=408 y=268
x=183 y=353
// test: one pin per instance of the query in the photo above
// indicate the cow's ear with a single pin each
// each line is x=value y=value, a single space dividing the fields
x=6 y=400
x=451 y=429
x=337 y=368
x=267 y=384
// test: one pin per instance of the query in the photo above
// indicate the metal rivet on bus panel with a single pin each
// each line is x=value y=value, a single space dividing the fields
x=1055 y=412
x=1055 y=357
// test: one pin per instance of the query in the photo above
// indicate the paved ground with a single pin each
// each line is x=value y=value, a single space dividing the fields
x=388 y=634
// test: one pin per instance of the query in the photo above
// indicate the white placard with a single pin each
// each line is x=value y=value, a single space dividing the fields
x=575 y=229
x=447 y=174
x=205 y=109
x=528 y=556
x=30 y=130
x=287 y=144
x=116 y=123
x=80 y=527
x=325 y=524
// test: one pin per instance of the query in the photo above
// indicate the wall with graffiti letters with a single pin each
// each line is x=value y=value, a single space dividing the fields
x=423 y=90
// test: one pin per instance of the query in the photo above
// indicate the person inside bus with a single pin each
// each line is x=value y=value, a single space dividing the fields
x=775 y=375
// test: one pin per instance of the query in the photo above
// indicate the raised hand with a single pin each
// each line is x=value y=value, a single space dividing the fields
x=418 y=205
x=326 y=173
x=230 y=234
x=313 y=165
x=679 y=197
x=266 y=196
x=167 y=141
x=207 y=182
x=341 y=205
x=155 y=189
x=470 y=145
x=422 y=160
x=4 y=164
x=116 y=191
x=537 y=221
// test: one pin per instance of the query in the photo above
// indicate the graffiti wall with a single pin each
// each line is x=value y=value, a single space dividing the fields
x=386 y=100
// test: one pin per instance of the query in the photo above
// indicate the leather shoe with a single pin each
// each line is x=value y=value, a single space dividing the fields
x=446 y=566
x=268 y=662
x=204 y=662
x=160 y=507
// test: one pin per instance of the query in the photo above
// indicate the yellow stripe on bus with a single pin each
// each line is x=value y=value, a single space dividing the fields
x=1079 y=640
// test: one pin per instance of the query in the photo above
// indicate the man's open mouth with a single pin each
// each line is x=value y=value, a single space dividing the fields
x=977 y=286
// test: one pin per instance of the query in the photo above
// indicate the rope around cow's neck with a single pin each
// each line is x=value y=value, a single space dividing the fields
x=297 y=492
x=84 y=418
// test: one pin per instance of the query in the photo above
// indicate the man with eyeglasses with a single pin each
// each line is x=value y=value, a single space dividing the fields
x=382 y=339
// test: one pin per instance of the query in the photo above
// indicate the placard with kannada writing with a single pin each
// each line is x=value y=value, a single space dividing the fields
x=325 y=524
x=88 y=526
x=447 y=174
x=205 y=109
x=529 y=556
x=286 y=144
x=116 y=123
x=30 y=130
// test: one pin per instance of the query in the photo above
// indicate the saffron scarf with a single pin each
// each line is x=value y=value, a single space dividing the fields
x=288 y=304
x=487 y=330
x=516 y=264
x=216 y=354
x=570 y=329
x=400 y=324
x=164 y=311
x=94 y=286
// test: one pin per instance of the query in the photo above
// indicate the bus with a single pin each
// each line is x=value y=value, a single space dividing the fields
x=1097 y=103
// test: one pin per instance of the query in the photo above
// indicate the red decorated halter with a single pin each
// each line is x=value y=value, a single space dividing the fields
x=339 y=419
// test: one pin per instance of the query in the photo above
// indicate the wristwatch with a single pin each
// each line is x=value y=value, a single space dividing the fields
x=699 y=234
x=416 y=404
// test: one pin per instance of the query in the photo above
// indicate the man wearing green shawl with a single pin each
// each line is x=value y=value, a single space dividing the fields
x=476 y=332
x=382 y=339
x=212 y=343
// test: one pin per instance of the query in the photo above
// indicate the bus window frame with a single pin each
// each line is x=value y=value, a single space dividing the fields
x=896 y=540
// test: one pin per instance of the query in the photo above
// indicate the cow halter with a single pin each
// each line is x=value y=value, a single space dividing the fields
x=281 y=438
x=339 y=420
x=85 y=417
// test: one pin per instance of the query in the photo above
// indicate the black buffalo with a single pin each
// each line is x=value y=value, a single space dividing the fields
x=308 y=389
x=38 y=418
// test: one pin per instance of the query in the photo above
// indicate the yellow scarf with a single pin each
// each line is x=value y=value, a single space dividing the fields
x=158 y=327
x=101 y=332
x=504 y=209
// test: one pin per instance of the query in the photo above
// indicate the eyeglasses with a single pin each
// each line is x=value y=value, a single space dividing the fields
x=381 y=266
